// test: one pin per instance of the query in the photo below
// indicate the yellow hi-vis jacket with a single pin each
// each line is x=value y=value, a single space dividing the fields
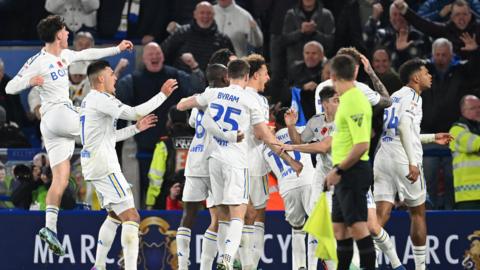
x=466 y=162
x=156 y=172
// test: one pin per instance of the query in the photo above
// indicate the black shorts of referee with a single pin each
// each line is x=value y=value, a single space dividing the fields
x=349 y=202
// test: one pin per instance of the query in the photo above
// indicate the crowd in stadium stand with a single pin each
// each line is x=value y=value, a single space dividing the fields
x=176 y=39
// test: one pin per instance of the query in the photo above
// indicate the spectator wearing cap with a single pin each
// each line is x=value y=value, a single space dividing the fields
x=79 y=84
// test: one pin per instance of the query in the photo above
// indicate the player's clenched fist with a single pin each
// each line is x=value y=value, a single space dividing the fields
x=169 y=86
x=125 y=45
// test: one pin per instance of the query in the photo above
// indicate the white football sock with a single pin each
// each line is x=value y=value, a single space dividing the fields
x=386 y=245
x=209 y=250
x=183 y=247
x=130 y=244
x=298 y=249
x=51 y=216
x=106 y=235
x=232 y=242
x=258 y=242
x=246 y=247
x=311 y=247
x=221 y=236
x=419 y=253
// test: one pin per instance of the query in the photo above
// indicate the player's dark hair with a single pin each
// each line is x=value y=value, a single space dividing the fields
x=343 y=66
x=409 y=68
x=326 y=93
x=256 y=61
x=280 y=117
x=221 y=56
x=216 y=74
x=96 y=67
x=238 y=68
x=48 y=28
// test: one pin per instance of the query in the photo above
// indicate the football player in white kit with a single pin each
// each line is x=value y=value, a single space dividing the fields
x=99 y=113
x=233 y=109
x=59 y=125
x=294 y=190
x=252 y=242
x=380 y=97
x=318 y=128
x=321 y=127
x=197 y=180
x=401 y=139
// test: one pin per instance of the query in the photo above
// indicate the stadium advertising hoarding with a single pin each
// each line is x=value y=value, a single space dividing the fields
x=453 y=240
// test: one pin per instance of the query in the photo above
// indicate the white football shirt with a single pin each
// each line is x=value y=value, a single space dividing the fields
x=257 y=165
x=98 y=122
x=286 y=176
x=406 y=103
x=372 y=96
x=199 y=147
x=54 y=70
x=317 y=129
x=232 y=108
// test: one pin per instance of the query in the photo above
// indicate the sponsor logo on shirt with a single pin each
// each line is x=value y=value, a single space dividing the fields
x=357 y=118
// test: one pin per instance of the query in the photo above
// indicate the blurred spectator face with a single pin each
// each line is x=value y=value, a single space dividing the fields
x=153 y=57
x=461 y=16
x=224 y=3
x=312 y=55
x=41 y=160
x=442 y=56
x=396 y=19
x=82 y=43
x=77 y=78
x=203 y=14
x=77 y=72
x=381 y=61
x=308 y=5
x=471 y=108
x=175 y=190
x=263 y=78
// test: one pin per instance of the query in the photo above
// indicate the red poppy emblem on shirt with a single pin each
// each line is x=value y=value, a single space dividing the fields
x=324 y=131
x=59 y=64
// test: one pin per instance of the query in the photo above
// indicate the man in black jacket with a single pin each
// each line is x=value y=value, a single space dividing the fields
x=136 y=88
x=306 y=75
x=200 y=38
x=450 y=81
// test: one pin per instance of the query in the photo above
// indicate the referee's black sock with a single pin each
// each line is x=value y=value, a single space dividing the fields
x=367 y=253
x=344 y=253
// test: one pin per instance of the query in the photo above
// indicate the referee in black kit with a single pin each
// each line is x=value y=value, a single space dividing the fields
x=351 y=174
